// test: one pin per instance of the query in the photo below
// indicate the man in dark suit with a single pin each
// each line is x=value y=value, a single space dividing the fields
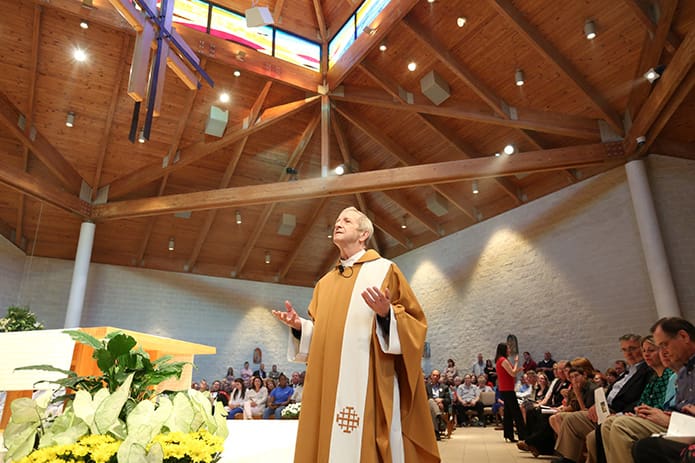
x=260 y=372
x=579 y=428
x=439 y=399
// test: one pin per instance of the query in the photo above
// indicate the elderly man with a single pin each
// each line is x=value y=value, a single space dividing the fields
x=468 y=399
x=578 y=428
x=676 y=339
x=365 y=339
x=439 y=400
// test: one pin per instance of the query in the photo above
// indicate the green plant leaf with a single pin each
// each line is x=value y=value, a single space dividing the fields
x=107 y=412
x=156 y=454
x=120 y=344
x=84 y=338
x=131 y=452
x=25 y=410
x=19 y=439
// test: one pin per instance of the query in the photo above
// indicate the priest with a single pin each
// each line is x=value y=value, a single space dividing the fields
x=364 y=396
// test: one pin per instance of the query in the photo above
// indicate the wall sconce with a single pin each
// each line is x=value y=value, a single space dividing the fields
x=267 y=257
x=237 y=214
x=70 y=120
x=171 y=243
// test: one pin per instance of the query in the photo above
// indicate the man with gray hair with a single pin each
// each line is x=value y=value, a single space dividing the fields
x=365 y=337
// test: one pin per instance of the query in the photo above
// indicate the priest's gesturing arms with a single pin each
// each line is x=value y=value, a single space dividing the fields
x=365 y=335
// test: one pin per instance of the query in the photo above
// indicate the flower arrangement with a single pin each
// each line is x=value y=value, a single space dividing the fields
x=291 y=411
x=19 y=319
x=117 y=417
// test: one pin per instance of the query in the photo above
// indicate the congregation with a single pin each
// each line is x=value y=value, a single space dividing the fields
x=554 y=412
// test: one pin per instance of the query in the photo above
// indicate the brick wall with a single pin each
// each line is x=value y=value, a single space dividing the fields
x=563 y=273
x=11 y=269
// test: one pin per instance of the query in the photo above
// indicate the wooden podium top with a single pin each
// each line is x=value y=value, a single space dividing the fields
x=150 y=342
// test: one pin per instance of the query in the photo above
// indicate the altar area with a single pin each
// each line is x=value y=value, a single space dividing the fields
x=253 y=441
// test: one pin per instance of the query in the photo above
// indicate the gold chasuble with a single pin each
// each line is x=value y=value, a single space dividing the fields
x=335 y=296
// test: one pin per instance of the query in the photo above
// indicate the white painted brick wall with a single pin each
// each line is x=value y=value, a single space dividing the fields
x=11 y=268
x=563 y=273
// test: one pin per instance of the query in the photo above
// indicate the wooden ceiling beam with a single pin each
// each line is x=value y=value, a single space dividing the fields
x=304 y=237
x=39 y=189
x=198 y=151
x=598 y=154
x=672 y=41
x=321 y=21
x=673 y=148
x=543 y=46
x=540 y=121
x=39 y=145
x=418 y=214
x=391 y=15
x=292 y=161
x=403 y=157
x=226 y=179
x=650 y=57
x=664 y=88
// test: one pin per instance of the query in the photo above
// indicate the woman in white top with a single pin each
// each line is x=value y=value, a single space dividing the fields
x=256 y=396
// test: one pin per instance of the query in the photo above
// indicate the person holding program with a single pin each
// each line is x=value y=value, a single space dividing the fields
x=365 y=399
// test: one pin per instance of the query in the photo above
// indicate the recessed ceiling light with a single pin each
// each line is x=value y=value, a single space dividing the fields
x=430 y=1
x=224 y=97
x=79 y=55
x=509 y=149
x=237 y=73
x=382 y=46
x=412 y=66
x=141 y=136
x=84 y=24
x=340 y=170
x=461 y=21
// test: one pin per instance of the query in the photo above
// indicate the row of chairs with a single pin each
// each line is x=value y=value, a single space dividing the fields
x=487 y=398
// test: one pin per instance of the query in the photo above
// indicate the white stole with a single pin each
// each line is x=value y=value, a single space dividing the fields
x=348 y=422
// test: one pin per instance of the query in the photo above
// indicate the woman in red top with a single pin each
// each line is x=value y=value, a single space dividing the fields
x=506 y=377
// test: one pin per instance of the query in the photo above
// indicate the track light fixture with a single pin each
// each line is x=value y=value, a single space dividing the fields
x=238 y=217
x=84 y=24
x=519 y=77
x=171 y=243
x=404 y=223
x=340 y=170
x=70 y=120
x=590 y=29
x=475 y=187
x=461 y=21
x=141 y=136
x=267 y=257
x=654 y=73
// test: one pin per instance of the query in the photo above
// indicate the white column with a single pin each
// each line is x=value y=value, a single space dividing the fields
x=79 y=275
x=652 y=243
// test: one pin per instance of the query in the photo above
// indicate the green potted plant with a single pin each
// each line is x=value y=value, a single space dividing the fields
x=117 y=417
x=19 y=319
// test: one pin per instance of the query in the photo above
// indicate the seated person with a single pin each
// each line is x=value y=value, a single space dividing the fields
x=278 y=398
x=255 y=399
x=468 y=399
x=236 y=399
x=439 y=400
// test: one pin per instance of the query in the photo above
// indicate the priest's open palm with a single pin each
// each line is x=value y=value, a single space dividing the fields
x=289 y=317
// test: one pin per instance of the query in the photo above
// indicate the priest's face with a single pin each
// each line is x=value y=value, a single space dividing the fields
x=346 y=232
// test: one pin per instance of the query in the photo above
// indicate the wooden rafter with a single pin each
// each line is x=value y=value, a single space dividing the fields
x=268 y=210
x=672 y=77
x=304 y=237
x=672 y=42
x=200 y=150
x=598 y=154
x=226 y=178
x=540 y=121
x=39 y=145
x=320 y=20
x=406 y=159
x=507 y=9
x=418 y=214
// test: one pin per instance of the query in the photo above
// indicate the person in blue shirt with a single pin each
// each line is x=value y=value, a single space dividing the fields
x=278 y=399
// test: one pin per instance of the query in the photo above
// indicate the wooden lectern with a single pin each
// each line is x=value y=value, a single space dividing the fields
x=53 y=347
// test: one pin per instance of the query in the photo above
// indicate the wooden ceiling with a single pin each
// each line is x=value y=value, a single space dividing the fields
x=582 y=107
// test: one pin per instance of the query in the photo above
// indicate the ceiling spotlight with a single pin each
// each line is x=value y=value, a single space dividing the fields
x=237 y=73
x=329 y=231
x=267 y=257
x=475 y=187
x=590 y=29
x=430 y=1
x=498 y=155
x=382 y=46
x=224 y=97
x=412 y=66
x=70 y=120
x=238 y=217
x=509 y=149
x=519 y=77
x=654 y=73
x=404 y=224
x=171 y=243
x=141 y=136
x=340 y=170
x=84 y=24
x=79 y=55
x=461 y=21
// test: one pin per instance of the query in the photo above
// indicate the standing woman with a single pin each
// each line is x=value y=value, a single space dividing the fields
x=506 y=377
